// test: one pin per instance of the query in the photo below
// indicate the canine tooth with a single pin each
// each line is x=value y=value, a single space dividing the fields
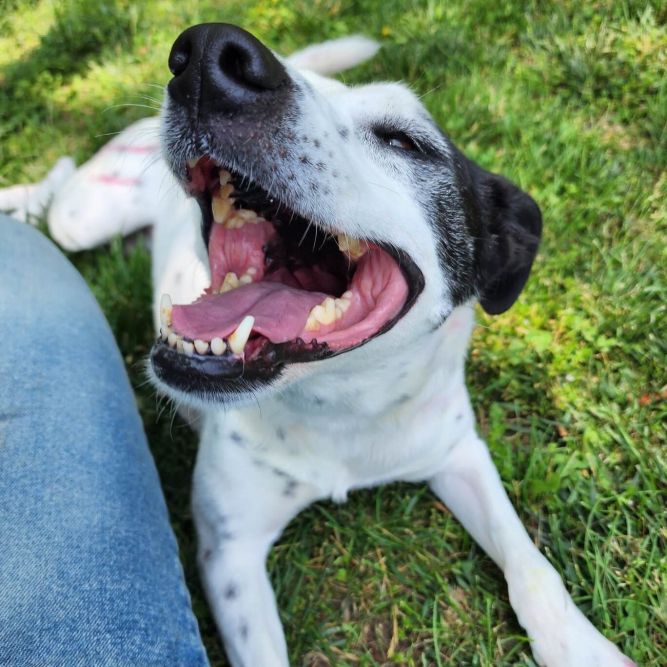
x=239 y=338
x=225 y=177
x=179 y=344
x=218 y=346
x=165 y=333
x=230 y=282
x=165 y=310
x=352 y=247
x=192 y=162
x=172 y=338
x=201 y=346
x=188 y=348
x=220 y=208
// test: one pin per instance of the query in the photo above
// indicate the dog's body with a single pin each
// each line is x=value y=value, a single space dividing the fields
x=394 y=407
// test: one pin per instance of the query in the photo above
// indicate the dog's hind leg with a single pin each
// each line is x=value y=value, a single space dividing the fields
x=560 y=635
x=241 y=506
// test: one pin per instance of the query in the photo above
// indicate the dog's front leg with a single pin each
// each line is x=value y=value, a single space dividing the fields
x=560 y=635
x=241 y=506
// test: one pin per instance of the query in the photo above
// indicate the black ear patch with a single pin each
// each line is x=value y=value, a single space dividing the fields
x=509 y=228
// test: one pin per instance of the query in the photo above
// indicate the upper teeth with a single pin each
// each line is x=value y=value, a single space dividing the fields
x=165 y=310
x=222 y=206
x=353 y=248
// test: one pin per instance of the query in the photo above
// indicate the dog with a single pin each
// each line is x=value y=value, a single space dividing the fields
x=345 y=241
x=315 y=299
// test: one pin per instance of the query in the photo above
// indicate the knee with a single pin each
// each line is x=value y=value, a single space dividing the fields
x=40 y=288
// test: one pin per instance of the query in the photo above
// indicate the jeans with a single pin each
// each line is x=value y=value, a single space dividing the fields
x=89 y=568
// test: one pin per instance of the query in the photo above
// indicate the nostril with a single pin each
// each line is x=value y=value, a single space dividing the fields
x=179 y=58
x=233 y=62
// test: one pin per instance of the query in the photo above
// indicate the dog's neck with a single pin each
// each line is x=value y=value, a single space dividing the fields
x=431 y=371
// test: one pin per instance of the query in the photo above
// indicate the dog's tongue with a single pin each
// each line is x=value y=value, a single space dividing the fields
x=280 y=312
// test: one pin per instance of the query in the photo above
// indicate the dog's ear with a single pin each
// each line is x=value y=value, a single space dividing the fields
x=509 y=229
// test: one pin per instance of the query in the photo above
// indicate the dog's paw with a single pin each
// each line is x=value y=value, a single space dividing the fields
x=559 y=633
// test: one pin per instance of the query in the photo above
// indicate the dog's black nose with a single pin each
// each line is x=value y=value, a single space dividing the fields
x=221 y=67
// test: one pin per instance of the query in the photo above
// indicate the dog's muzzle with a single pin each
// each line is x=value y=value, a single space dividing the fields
x=221 y=68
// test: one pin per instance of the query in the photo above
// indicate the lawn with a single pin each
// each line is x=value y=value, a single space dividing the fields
x=569 y=99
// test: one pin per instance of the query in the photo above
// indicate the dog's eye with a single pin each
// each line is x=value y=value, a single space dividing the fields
x=398 y=140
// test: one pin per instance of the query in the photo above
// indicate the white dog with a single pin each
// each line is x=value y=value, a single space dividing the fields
x=325 y=299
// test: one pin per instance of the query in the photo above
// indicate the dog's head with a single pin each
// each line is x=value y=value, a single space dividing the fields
x=335 y=218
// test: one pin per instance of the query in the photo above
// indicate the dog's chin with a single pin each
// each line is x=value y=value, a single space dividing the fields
x=204 y=394
x=283 y=291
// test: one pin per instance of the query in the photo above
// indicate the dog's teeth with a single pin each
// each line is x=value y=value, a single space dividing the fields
x=172 y=338
x=165 y=310
x=165 y=332
x=247 y=215
x=225 y=177
x=218 y=346
x=220 y=208
x=201 y=346
x=188 y=348
x=240 y=217
x=342 y=304
x=226 y=191
x=329 y=306
x=230 y=282
x=353 y=248
x=192 y=162
x=251 y=271
x=325 y=312
x=312 y=324
x=239 y=338
x=179 y=344
x=346 y=295
x=245 y=279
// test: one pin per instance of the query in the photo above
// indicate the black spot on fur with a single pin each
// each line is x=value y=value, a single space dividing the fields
x=316 y=143
x=459 y=417
x=343 y=132
x=243 y=630
x=231 y=591
x=290 y=488
x=235 y=437
x=280 y=432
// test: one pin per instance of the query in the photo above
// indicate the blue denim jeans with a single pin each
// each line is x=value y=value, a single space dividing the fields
x=89 y=568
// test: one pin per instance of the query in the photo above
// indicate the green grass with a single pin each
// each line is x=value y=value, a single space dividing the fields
x=567 y=98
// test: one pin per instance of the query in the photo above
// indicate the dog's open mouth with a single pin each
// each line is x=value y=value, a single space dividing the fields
x=282 y=289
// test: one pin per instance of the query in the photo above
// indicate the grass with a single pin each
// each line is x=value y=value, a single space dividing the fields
x=567 y=98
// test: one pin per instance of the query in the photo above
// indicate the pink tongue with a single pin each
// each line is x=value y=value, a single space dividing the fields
x=280 y=312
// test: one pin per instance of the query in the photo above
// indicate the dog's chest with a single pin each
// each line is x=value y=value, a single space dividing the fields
x=339 y=453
